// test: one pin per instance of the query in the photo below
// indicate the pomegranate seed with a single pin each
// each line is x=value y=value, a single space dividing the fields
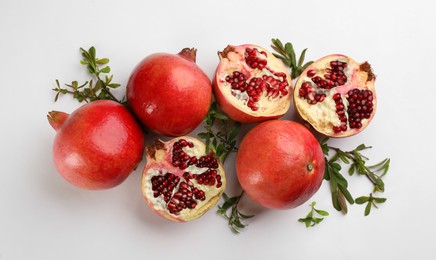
x=311 y=73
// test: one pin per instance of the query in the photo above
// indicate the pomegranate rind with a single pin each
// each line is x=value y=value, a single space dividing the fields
x=361 y=77
x=277 y=175
x=158 y=156
x=232 y=59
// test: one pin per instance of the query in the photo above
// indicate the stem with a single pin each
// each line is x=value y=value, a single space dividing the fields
x=106 y=90
x=235 y=207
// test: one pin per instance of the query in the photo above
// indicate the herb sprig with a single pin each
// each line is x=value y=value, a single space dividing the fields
x=312 y=218
x=234 y=217
x=357 y=163
x=223 y=141
x=370 y=201
x=220 y=137
x=286 y=53
x=89 y=91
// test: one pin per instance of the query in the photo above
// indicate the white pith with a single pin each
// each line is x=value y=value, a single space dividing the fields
x=267 y=105
x=323 y=114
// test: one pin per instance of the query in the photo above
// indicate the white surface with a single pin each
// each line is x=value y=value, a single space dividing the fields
x=43 y=217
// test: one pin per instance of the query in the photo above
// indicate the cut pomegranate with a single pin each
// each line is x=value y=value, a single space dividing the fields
x=180 y=181
x=251 y=85
x=336 y=95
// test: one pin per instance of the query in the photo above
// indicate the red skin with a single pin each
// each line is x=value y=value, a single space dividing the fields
x=169 y=93
x=98 y=145
x=272 y=164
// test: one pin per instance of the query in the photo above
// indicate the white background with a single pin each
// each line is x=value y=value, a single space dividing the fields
x=43 y=217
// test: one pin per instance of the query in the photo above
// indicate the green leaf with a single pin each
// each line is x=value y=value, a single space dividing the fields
x=290 y=51
x=307 y=65
x=220 y=149
x=351 y=169
x=91 y=52
x=302 y=57
x=234 y=131
x=245 y=216
x=342 y=203
x=347 y=194
x=361 y=200
x=322 y=212
x=106 y=69
x=335 y=166
x=379 y=200
x=102 y=61
x=114 y=85
x=368 y=209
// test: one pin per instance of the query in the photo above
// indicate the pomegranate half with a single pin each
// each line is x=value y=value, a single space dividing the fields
x=180 y=181
x=169 y=93
x=98 y=145
x=280 y=164
x=251 y=85
x=336 y=95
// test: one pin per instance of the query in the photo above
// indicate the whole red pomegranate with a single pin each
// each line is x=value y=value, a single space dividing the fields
x=181 y=181
x=98 y=145
x=336 y=95
x=251 y=85
x=280 y=164
x=169 y=93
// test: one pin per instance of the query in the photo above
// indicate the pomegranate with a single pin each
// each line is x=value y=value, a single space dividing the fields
x=280 y=164
x=169 y=93
x=336 y=95
x=251 y=85
x=180 y=181
x=98 y=145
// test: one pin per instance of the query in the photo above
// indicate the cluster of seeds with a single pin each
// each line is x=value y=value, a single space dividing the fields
x=340 y=111
x=181 y=193
x=335 y=76
x=360 y=106
x=359 y=101
x=253 y=60
x=273 y=86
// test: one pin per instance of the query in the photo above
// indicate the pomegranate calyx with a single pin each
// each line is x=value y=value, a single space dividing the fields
x=367 y=68
x=188 y=54
x=57 y=119
x=223 y=54
x=152 y=148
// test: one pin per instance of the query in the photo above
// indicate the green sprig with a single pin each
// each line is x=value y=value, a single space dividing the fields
x=88 y=91
x=312 y=218
x=220 y=133
x=287 y=54
x=234 y=217
x=370 y=202
x=357 y=162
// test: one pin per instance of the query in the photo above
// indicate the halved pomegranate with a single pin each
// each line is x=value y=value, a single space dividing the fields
x=251 y=85
x=180 y=181
x=336 y=95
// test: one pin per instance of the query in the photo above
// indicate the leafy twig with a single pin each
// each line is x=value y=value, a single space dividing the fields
x=371 y=201
x=235 y=216
x=287 y=54
x=310 y=220
x=357 y=162
x=223 y=141
x=88 y=91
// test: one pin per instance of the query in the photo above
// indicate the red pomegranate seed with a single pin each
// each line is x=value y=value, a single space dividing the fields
x=311 y=73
